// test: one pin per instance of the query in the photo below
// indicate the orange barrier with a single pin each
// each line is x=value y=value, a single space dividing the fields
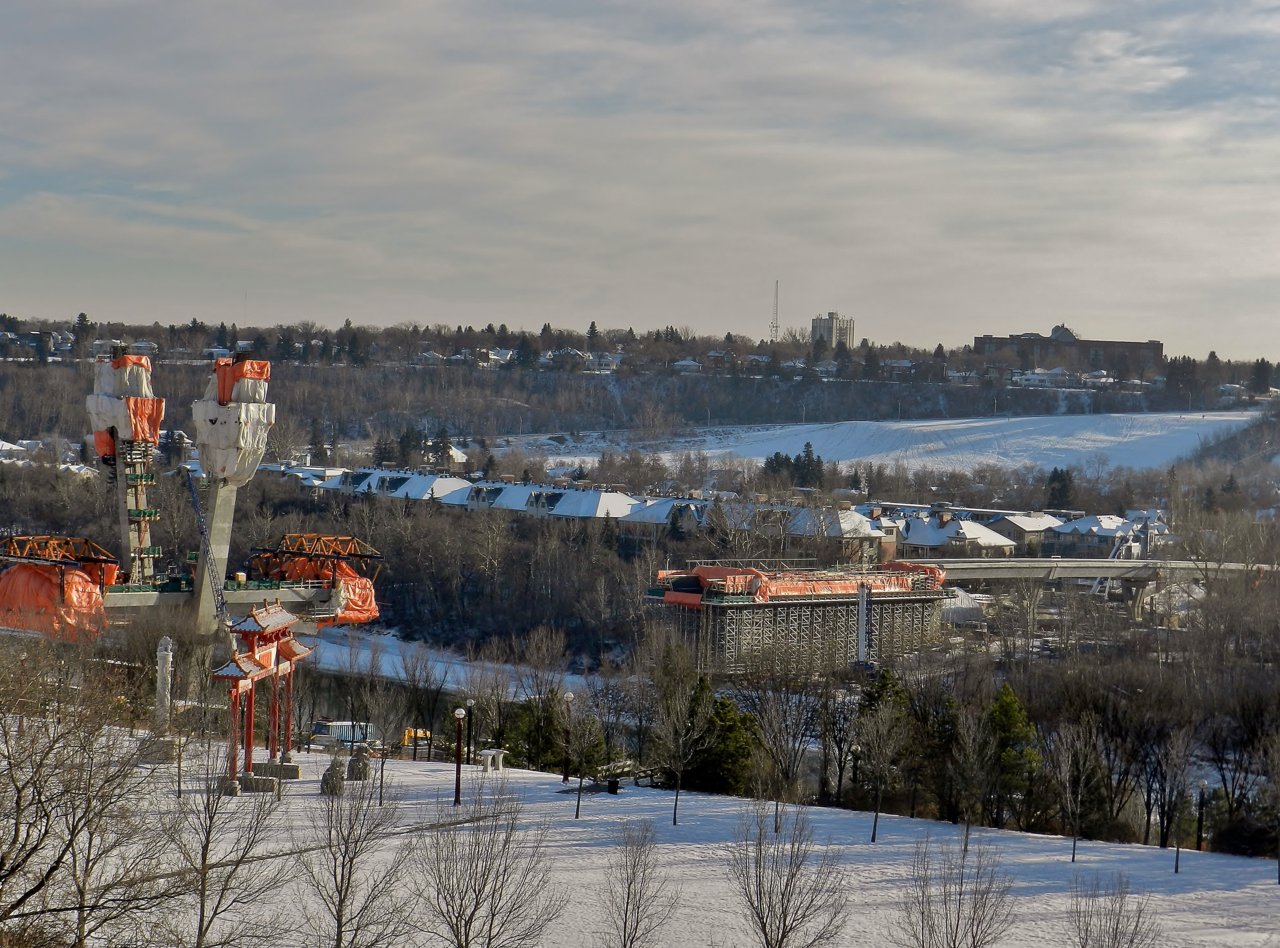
x=57 y=601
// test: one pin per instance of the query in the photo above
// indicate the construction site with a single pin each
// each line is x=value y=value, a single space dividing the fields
x=78 y=591
x=796 y=618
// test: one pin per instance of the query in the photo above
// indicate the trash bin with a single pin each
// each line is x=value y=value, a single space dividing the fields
x=613 y=785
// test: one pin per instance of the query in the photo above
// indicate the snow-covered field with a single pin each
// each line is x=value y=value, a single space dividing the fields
x=1215 y=900
x=1132 y=440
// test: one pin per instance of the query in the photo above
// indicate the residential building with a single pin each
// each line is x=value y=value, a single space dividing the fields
x=833 y=329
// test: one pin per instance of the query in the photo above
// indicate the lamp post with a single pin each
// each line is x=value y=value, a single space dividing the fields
x=568 y=706
x=458 y=715
x=471 y=704
x=1200 y=817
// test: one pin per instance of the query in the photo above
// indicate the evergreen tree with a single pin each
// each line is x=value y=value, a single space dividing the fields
x=1061 y=493
x=807 y=467
x=526 y=356
x=725 y=765
x=779 y=465
x=871 y=365
x=1260 y=378
x=593 y=336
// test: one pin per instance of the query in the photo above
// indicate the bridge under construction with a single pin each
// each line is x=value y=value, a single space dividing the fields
x=739 y=613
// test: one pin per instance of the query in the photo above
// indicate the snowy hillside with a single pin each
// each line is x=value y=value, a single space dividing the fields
x=1215 y=900
x=1131 y=440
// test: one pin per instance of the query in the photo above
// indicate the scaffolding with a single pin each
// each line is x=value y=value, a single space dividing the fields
x=800 y=620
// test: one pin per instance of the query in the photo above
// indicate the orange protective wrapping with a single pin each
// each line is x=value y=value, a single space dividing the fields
x=124 y=360
x=358 y=602
x=251 y=369
x=36 y=599
x=104 y=444
x=692 y=600
x=104 y=574
x=145 y=416
x=222 y=370
x=229 y=373
x=936 y=573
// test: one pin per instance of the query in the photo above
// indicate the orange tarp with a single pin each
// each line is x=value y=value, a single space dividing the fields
x=145 y=416
x=229 y=373
x=37 y=599
x=104 y=444
x=358 y=602
x=137 y=360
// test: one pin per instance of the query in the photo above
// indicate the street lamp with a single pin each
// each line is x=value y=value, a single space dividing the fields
x=1200 y=817
x=458 y=715
x=568 y=706
x=471 y=703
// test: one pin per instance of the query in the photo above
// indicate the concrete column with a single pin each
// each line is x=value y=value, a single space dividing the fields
x=219 y=519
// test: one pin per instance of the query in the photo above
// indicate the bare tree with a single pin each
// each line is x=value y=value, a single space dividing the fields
x=489 y=683
x=786 y=711
x=1072 y=764
x=384 y=701
x=344 y=866
x=839 y=730
x=116 y=848
x=483 y=883
x=974 y=753
x=638 y=901
x=583 y=733
x=423 y=685
x=795 y=894
x=1110 y=915
x=607 y=690
x=218 y=841
x=956 y=898
x=882 y=736
x=683 y=708
x=76 y=856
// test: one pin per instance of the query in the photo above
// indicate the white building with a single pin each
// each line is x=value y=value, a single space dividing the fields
x=832 y=327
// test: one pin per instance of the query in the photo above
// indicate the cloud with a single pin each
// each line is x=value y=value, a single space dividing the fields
x=935 y=169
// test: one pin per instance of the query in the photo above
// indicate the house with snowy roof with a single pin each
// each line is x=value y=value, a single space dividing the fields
x=659 y=516
x=941 y=534
x=1093 y=536
x=852 y=535
x=580 y=503
x=1026 y=530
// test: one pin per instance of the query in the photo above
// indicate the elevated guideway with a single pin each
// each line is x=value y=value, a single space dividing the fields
x=1135 y=572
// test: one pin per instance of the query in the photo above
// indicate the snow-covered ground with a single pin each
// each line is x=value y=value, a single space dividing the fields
x=1215 y=900
x=1131 y=440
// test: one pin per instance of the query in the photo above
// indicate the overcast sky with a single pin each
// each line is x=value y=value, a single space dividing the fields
x=934 y=169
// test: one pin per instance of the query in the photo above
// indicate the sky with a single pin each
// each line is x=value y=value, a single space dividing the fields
x=937 y=170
